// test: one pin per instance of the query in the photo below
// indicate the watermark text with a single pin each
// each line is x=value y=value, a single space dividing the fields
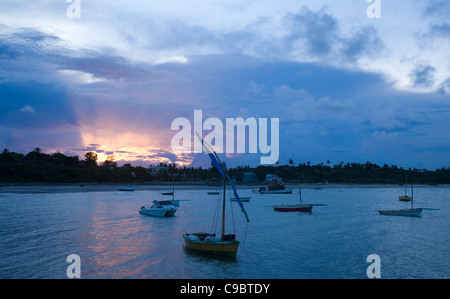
x=374 y=9
x=74 y=9
x=374 y=269
x=74 y=269
x=256 y=139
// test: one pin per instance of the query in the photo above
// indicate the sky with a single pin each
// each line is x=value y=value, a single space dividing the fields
x=111 y=77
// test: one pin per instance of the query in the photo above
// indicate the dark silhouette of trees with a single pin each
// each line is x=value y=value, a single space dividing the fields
x=91 y=159
x=37 y=166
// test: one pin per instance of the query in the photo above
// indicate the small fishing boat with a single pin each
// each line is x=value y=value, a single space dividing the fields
x=404 y=212
x=213 y=193
x=405 y=197
x=295 y=208
x=208 y=243
x=128 y=188
x=285 y=191
x=275 y=186
x=159 y=209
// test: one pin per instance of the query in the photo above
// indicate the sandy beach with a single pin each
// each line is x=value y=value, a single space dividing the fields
x=165 y=187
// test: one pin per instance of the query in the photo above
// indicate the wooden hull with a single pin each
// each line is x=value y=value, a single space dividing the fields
x=224 y=248
x=293 y=208
x=405 y=212
x=285 y=191
x=404 y=198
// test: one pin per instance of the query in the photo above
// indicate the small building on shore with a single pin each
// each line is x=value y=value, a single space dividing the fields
x=250 y=177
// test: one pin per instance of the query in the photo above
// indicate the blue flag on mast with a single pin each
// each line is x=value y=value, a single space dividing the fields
x=216 y=162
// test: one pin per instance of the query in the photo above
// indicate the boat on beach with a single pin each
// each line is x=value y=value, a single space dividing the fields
x=159 y=209
x=209 y=243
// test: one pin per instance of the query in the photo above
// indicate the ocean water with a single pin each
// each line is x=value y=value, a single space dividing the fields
x=39 y=231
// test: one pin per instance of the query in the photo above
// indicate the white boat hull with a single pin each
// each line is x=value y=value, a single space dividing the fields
x=154 y=213
x=159 y=211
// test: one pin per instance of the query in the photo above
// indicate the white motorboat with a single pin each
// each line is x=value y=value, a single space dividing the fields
x=159 y=209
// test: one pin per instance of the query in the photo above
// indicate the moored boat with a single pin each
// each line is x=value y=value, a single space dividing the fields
x=159 y=209
x=275 y=185
x=208 y=243
x=128 y=188
x=293 y=208
x=405 y=197
x=403 y=212
x=284 y=191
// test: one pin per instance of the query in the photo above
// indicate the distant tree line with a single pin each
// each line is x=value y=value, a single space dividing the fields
x=356 y=173
x=37 y=166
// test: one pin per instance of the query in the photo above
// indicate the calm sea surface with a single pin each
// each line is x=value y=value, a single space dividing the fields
x=39 y=231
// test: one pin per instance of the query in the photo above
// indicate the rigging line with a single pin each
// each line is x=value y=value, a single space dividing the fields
x=216 y=213
x=232 y=213
x=242 y=248
x=245 y=236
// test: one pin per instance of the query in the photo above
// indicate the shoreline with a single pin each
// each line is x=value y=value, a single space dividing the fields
x=30 y=188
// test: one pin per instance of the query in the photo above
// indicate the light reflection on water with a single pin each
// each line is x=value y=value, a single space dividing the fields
x=39 y=231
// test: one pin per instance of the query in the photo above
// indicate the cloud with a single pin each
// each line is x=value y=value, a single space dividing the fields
x=437 y=8
x=254 y=89
x=27 y=109
x=363 y=42
x=314 y=31
x=423 y=75
x=444 y=88
x=303 y=106
x=440 y=30
x=284 y=92
x=104 y=66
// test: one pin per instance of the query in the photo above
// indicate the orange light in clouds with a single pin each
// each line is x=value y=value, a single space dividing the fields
x=128 y=146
